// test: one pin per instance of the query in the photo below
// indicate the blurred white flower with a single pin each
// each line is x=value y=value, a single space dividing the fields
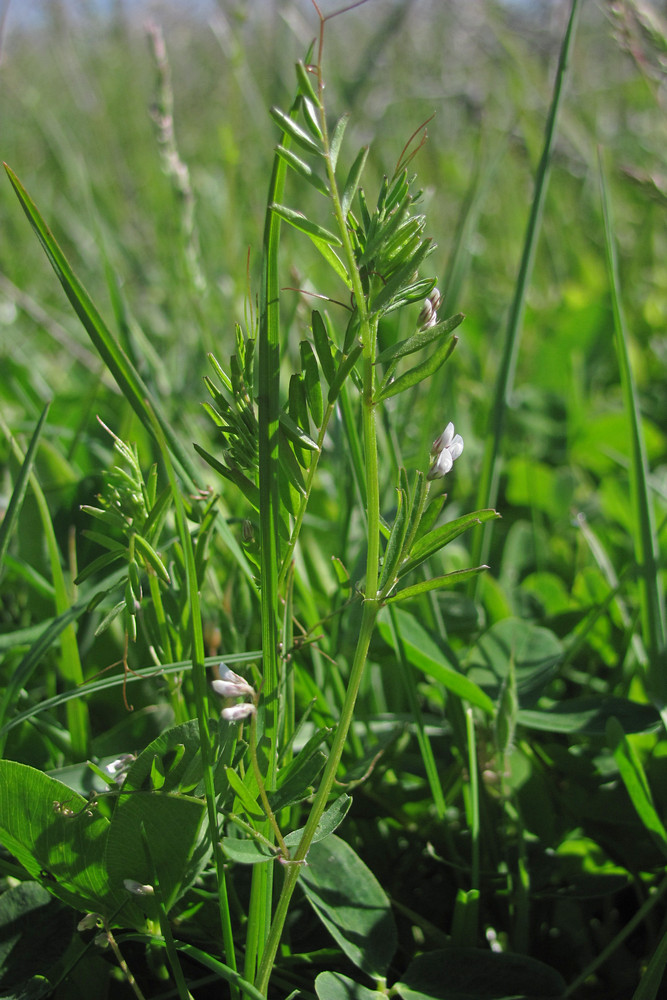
x=446 y=449
x=234 y=713
x=118 y=768
x=231 y=685
x=137 y=889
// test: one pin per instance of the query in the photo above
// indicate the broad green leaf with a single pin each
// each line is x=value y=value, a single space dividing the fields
x=300 y=784
x=35 y=932
x=351 y=904
x=248 y=851
x=48 y=829
x=478 y=974
x=424 y=654
x=336 y=986
x=535 y=652
x=304 y=225
x=589 y=716
x=634 y=779
x=294 y=131
x=179 y=752
x=179 y=843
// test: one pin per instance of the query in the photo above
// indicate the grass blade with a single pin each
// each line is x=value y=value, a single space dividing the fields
x=70 y=662
x=490 y=473
x=647 y=552
x=18 y=493
x=129 y=381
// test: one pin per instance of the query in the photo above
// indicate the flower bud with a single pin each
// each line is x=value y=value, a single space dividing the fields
x=235 y=713
x=231 y=685
x=446 y=449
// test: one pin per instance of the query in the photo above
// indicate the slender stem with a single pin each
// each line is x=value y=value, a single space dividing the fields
x=310 y=478
x=262 y=790
x=293 y=867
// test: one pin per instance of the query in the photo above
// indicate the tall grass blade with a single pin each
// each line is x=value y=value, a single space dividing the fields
x=129 y=381
x=647 y=552
x=488 y=487
x=18 y=493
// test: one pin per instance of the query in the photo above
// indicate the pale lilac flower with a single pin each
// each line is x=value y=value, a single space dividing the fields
x=88 y=922
x=428 y=316
x=234 y=713
x=231 y=685
x=446 y=449
x=137 y=889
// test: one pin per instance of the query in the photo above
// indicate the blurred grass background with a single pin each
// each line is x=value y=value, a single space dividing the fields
x=77 y=84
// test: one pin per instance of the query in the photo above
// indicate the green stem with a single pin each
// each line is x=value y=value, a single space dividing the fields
x=303 y=504
x=293 y=867
x=262 y=790
x=368 y=331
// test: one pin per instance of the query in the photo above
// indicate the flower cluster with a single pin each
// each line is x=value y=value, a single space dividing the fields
x=428 y=316
x=231 y=685
x=446 y=449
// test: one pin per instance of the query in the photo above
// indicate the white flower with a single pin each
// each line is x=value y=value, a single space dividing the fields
x=446 y=449
x=428 y=317
x=118 y=768
x=234 y=713
x=137 y=889
x=231 y=685
x=89 y=921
